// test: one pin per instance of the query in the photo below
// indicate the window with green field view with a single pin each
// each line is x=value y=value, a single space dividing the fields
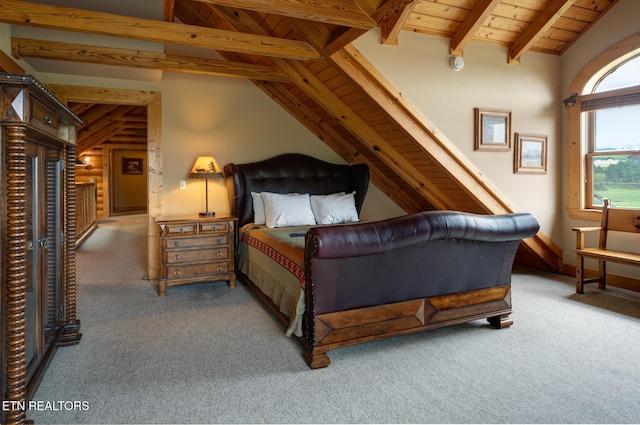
x=611 y=115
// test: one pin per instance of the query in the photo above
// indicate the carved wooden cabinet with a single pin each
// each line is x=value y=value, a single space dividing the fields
x=196 y=249
x=37 y=250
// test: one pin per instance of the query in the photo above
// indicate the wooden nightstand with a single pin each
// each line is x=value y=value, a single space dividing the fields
x=196 y=249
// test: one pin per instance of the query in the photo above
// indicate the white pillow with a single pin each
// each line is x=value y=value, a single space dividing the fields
x=335 y=208
x=258 y=208
x=290 y=209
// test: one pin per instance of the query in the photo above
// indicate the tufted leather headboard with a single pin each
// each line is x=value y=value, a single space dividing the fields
x=291 y=173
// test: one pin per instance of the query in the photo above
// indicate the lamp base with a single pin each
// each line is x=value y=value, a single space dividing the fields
x=207 y=214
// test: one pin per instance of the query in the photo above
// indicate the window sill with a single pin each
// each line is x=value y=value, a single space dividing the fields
x=582 y=214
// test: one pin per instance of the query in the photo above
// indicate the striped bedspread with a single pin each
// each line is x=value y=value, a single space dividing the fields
x=274 y=261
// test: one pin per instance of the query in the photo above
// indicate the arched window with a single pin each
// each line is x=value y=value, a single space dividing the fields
x=603 y=131
x=611 y=137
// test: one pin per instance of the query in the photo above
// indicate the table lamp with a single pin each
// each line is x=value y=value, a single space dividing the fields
x=206 y=168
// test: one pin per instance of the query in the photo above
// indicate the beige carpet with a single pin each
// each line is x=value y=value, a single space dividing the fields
x=209 y=354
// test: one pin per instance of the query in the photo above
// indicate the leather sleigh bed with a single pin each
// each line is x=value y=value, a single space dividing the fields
x=351 y=282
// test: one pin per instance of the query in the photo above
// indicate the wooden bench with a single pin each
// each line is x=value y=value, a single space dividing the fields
x=613 y=219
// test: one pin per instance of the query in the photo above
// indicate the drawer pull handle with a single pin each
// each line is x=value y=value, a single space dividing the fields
x=46 y=120
x=213 y=228
x=218 y=254
x=219 y=268
x=176 y=243
x=218 y=240
x=176 y=257
x=176 y=273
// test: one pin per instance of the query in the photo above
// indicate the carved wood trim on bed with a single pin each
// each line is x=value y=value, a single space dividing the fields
x=340 y=329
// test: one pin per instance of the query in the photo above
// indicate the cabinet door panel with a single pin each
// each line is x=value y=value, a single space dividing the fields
x=44 y=250
x=32 y=272
x=52 y=247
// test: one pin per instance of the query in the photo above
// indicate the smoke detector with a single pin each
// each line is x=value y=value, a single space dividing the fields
x=457 y=63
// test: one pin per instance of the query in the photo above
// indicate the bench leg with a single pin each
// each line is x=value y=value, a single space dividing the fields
x=579 y=274
x=602 y=272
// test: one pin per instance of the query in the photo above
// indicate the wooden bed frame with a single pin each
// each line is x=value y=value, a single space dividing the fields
x=405 y=272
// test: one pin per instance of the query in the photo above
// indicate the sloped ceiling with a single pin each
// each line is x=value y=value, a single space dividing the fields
x=299 y=53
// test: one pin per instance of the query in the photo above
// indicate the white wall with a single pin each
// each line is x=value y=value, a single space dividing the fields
x=419 y=68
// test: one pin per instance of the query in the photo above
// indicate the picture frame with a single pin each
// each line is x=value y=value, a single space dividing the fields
x=530 y=153
x=131 y=165
x=493 y=129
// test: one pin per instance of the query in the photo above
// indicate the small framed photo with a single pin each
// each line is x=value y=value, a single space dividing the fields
x=530 y=153
x=493 y=129
x=131 y=165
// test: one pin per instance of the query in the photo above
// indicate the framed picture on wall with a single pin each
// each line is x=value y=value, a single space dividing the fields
x=530 y=153
x=493 y=129
x=131 y=165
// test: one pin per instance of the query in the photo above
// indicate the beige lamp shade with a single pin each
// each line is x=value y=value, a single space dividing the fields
x=206 y=167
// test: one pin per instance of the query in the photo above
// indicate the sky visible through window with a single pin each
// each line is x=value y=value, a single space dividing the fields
x=619 y=128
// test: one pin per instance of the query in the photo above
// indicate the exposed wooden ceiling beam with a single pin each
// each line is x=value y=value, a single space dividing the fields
x=352 y=122
x=107 y=121
x=95 y=112
x=9 y=65
x=21 y=47
x=169 y=7
x=392 y=26
x=80 y=108
x=96 y=139
x=543 y=22
x=480 y=12
x=319 y=127
x=82 y=94
x=121 y=145
x=338 y=12
x=77 y=20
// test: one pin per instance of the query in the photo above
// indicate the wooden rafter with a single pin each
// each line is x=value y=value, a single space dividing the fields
x=169 y=6
x=338 y=12
x=543 y=22
x=106 y=121
x=9 y=65
x=96 y=140
x=318 y=126
x=77 y=20
x=391 y=27
x=331 y=102
x=93 y=113
x=22 y=47
x=480 y=12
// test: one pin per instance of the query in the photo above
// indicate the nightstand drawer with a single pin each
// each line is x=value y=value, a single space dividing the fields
x=186 y=271
x=179 y=229
x=196 y=242
x=220 y=227
x=195 y=255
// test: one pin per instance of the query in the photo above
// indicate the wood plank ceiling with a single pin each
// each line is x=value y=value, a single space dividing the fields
x=299 y=53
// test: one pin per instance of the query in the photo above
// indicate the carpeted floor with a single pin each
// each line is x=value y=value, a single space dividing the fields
x=209 y=354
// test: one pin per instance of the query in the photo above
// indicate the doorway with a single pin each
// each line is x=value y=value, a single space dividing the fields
x=152 y=101
x=128 y=181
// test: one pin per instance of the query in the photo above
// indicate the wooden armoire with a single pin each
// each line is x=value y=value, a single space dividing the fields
x=37 y=250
